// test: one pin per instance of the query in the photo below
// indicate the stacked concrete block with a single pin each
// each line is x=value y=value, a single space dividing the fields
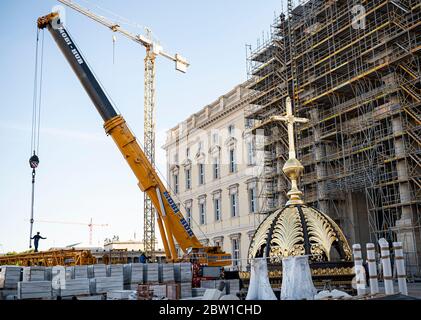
x=115 y=270
x=183 y=272
x=99 y=270
x=80 y=272
x=159 y=290
x=151 y=273
x=208 y=284
x=48 y=273
x=136 y=274
x=233 y=286
x=33 y=274
x=34 y=290
x=9 y=277
x=70 y=272
x=74 y=287
x=185 y=290
x=166 y=272
x=173 y=291
x=105 y=284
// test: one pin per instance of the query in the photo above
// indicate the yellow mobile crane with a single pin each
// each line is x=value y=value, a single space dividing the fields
x=171 y=222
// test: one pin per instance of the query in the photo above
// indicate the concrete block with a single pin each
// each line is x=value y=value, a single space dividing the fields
x=34 y=290
x=166 y=272
x=151 y=272
x=9 y=277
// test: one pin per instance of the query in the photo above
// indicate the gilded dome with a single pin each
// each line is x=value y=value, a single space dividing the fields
x=296 y=230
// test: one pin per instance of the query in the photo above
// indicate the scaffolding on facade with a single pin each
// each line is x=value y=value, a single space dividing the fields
x=354 y=69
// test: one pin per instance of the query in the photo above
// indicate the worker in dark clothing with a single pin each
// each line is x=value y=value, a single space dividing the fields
x=143 y=258
x=36 y=240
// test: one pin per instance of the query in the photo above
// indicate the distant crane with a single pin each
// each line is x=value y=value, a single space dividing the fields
x=153 y=49
x=90 y=225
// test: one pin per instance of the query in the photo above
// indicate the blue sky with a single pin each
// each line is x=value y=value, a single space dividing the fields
x=81 y=174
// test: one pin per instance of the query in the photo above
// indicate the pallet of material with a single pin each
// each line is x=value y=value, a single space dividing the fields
x=34 y=290
x=208 y=284
x=144 y=292
x=136 y=273
x=99 y=270
x=33 y=274
x=159 y=290
x=173 y=291
x=9 y=294
x=9 y=277
x=80 y=272
x=115 y=270
x=233 y=286
x=48 y=273
x=105 y=284
x=122 y=295
x=185 y=290
x=74 y=287
x=183 y=272
x=166 y=272
x=59 y=274
x=151 y=272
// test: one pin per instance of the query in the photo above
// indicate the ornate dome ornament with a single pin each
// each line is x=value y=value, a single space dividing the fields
x=298 y=229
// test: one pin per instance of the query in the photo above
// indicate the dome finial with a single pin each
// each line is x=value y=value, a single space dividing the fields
x=293 y=169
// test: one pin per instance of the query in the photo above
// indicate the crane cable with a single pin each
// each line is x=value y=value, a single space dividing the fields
x=36 y=121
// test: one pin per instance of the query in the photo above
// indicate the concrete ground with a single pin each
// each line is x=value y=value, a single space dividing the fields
x=414 y=289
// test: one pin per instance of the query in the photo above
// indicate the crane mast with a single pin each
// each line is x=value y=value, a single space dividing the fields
x=152 y=51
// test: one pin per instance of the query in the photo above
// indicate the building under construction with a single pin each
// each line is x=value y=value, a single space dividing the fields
x=354 y=69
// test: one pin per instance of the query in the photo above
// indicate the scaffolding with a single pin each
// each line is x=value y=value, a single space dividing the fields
x=354 y=69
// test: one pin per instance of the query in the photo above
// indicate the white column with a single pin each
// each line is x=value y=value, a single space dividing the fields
x=400 y=267
x=359 y=269
x=372 y=268
x=387 y=268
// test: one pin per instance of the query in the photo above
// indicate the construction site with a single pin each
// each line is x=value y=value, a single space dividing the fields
x=331 y=103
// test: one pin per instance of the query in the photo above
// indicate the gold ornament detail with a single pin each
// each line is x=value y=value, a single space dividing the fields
x=321 y=233
x=261 y=235
x=345 y=245
x=287 y=237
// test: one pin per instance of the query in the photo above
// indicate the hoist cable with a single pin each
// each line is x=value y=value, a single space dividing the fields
x=40 y=91
x=34 y=99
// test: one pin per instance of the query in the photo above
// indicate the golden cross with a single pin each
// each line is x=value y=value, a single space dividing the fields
x=290 y=120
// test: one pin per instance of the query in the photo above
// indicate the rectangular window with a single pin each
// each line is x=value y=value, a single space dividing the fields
x=201 y=173
x=176 y=183
x=233 y=165
x=234 y=207
x=250 y=153
x=235 y=251
x=176 y=158
x=231 y=130
x=199 y=146
x=202 y=213
x=215 y=168
x=187 y=152
x=215 y=138
x=217 y=208
x=252 y=200
x=188 y=213
x=188 y=179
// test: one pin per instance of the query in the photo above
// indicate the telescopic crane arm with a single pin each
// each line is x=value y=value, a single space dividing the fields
x=171 y=222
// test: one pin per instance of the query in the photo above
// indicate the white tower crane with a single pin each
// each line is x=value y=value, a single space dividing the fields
x=152 y=51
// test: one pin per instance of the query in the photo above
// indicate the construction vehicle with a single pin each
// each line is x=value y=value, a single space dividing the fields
x=171 y=223
x=153 y=49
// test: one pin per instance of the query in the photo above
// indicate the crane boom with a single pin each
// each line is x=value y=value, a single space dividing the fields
x=152 y=51
x=170 y=220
